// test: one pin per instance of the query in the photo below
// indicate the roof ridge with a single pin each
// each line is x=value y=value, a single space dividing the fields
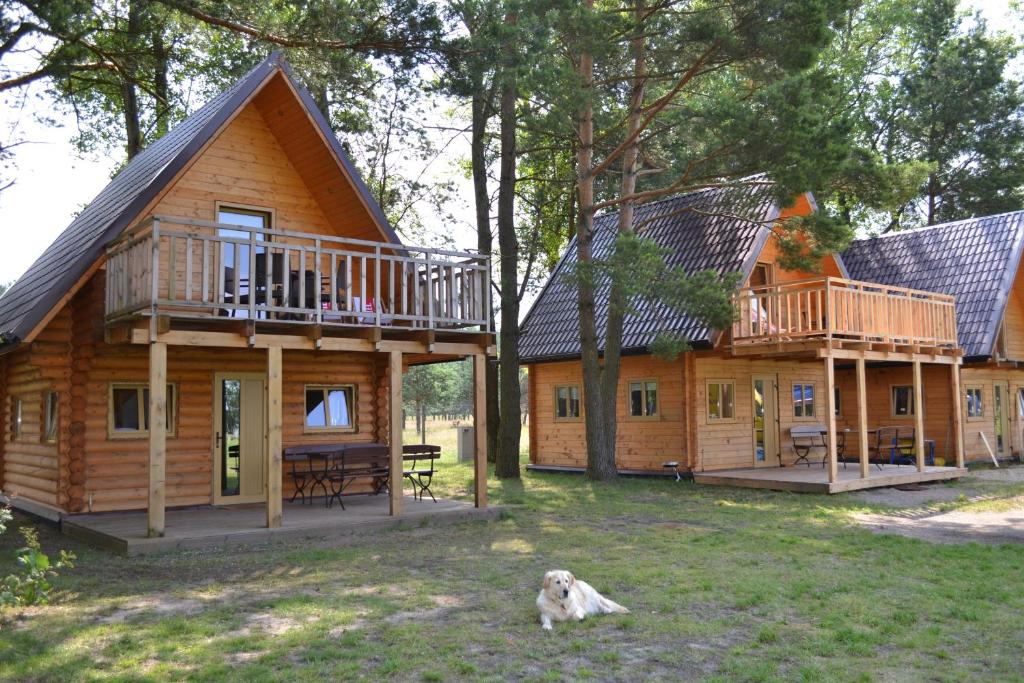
x=681 y=195
x=925 y=228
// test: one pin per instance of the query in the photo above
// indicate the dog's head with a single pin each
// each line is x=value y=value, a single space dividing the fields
x=557 y=584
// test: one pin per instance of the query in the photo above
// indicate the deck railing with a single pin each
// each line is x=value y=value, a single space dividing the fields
x=835 y=308
x=192 y=268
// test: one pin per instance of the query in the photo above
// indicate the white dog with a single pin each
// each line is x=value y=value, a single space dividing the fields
x=565 y=597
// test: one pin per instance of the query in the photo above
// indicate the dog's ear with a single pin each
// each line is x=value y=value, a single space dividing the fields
x=547 y=579
x=572 y=579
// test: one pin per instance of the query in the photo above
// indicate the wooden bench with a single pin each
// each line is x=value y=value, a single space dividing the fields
x=420 y=470
x=358 y=462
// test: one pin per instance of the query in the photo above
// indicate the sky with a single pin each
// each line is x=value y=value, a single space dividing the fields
x=53 y=182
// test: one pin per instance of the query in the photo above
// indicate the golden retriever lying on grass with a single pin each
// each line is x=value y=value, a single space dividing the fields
x=565 y=597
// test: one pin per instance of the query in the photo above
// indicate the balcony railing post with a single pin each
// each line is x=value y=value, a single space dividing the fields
x=376 y=286
x=252 y=277
x=430 y=292
x=317 y=279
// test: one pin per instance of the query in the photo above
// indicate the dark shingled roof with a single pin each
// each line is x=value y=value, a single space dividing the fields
x=703 y=231
x=974 y=260
x=71 y=255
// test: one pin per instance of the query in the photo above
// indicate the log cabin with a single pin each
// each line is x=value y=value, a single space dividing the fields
x=233 y=291
x=977 y=261
x=728 y=409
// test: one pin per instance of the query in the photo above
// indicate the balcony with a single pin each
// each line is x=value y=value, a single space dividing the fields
x=200 y=270
x=833 y=312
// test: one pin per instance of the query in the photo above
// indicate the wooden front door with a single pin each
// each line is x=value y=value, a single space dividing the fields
x=240 y=438
x=1000 y=413
x=765 y=397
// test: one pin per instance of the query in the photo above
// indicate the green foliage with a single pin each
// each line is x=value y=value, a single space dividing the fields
x=32 y=585
x=439 y=387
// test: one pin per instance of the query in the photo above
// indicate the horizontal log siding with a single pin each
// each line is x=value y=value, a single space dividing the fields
x=641 y=444
x=985 y=376
x=730 y=444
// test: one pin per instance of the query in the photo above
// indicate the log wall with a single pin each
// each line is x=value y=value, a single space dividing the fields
x=641 y=444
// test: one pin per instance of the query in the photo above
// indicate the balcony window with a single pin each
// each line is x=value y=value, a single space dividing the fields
x=235 y=258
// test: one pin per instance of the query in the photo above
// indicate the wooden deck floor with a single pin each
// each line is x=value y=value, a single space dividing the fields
x=815 y=479
x=211 y=526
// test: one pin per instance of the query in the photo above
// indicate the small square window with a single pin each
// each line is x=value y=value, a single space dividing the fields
x=903 y=401
x=643 y=398
x=803 y=400
x=330 y=408
x=50 y=414
x=837 y=397
x=129 y=410
x=975 y=407
x=567 y=402
x=721 y=401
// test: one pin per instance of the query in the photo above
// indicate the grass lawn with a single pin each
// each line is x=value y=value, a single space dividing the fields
x=724 y=584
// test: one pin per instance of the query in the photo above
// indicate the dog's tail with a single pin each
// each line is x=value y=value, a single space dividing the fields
x=609 y=606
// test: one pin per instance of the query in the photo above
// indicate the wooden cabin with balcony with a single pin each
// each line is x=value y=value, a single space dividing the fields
x=760 y=404
x=234 y=292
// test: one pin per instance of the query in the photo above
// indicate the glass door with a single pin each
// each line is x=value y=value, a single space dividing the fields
x=239 y=450
x=764 y=392
x=239 y=283
x=999 y=413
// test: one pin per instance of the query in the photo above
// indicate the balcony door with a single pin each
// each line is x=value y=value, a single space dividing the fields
x=239 y=283
x=240 y=438
x=765 y=396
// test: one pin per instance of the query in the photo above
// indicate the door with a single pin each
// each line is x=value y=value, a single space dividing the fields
x=239 y=283
x=764 y=390
x=1000 y=413
x=240 y=438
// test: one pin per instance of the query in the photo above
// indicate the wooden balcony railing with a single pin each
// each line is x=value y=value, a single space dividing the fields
x=834 y=308
x=190 y=268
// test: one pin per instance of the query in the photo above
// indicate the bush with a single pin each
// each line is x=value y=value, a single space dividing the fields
x=32 y=585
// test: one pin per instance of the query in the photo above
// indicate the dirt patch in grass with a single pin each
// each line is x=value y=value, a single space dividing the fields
x=959 y=526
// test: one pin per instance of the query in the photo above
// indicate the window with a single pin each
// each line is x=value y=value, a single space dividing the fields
x=330 y=408
x=643 y=398
x=902 y=401
x=803 y=400
x=567 y=402
x=15 y=419
x=128 y=410
x=721 y=401
x=837 y=397
x=975 y=407
x=50 y=409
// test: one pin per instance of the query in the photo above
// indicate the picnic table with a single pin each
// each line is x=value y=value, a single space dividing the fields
x=334 y=467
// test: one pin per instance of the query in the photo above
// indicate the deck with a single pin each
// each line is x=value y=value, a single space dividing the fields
x=815 y=479
x=213 y=526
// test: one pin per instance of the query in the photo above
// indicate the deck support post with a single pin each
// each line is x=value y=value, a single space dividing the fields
x=480 y=430
x=918 y=418
x=274 y=421
x=862 y=419
x=395 y=425
x=958 y=425
x=157 y=438
x=830 y=416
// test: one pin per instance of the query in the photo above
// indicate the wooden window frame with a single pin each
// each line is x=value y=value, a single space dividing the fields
x=142 y=433
x=17 y=418
x=892 y=401
x=579 y=399
x=837 y=397
x=47 y=415
x=643 y=383
x=352 y=389
x=707 y=394
x=248 y=209
x=981 y=402
x=803 y=401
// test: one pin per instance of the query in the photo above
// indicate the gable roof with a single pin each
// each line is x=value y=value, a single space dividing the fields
x=702 y=231
x=975 y=260
x=68 y=258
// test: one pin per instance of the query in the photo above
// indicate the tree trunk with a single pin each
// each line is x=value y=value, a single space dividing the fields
x=510 y=429
x=482 y=201
x=160 y=83
x=600 y=453
x=129 y=95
